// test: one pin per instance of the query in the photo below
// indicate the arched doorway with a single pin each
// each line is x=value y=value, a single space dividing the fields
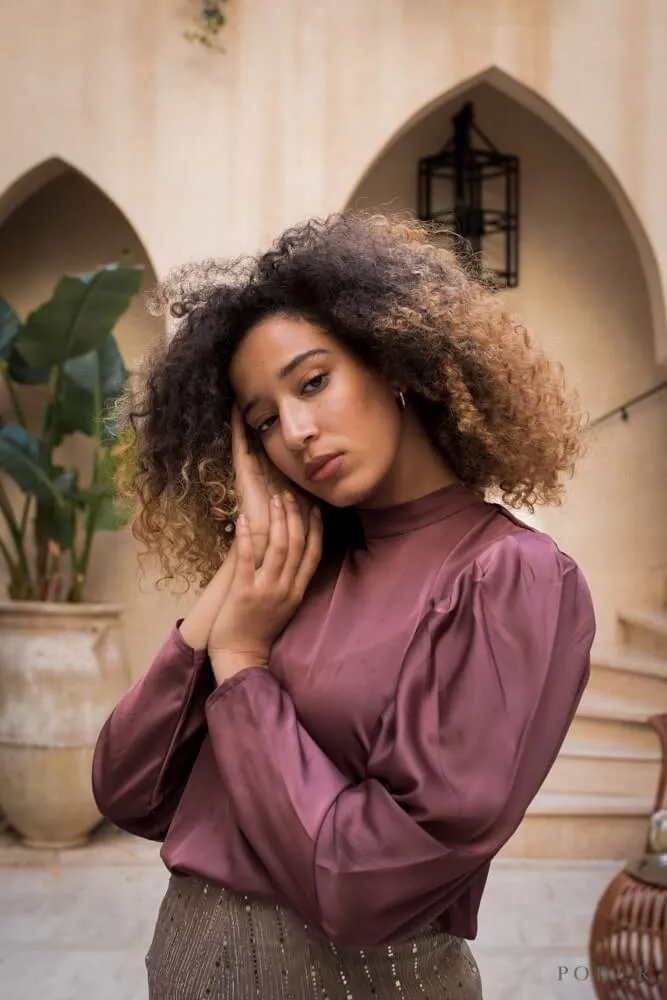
x=54 y=220
x=584 y=293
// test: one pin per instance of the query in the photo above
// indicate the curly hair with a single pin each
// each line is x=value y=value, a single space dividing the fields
x=493 y=403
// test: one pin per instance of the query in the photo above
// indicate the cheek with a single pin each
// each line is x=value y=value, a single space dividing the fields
x=276 y=453
x=370 y=409
x=353 y=399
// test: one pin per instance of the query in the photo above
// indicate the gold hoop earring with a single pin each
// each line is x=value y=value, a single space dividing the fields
x=401 y=399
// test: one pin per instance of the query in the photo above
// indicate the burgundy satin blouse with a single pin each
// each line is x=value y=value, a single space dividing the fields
x=410 y=713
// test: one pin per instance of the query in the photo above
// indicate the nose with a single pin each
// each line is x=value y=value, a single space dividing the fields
x=297 y=425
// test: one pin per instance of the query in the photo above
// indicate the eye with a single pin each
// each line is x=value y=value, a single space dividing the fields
x=264 y=426
x=315 y=383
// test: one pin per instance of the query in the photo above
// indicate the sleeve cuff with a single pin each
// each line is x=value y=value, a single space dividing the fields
x=196 y=655
x=243 y=676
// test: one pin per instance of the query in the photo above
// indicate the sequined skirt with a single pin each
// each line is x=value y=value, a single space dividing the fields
x=211 y=944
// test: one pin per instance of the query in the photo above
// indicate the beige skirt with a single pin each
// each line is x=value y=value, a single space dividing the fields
x=211 y=944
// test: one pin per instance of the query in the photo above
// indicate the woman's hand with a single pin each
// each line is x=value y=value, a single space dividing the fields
x=261 y=601
x=196 y=627
x=256 y=481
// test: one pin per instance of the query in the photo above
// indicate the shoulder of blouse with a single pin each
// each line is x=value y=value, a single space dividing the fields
x=532 y=549
x=520 y=553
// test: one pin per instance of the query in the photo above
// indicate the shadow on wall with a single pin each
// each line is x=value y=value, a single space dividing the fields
x=64 y=223
x=583 y=294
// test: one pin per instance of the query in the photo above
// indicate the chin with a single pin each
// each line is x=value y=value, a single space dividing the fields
x=348 y=494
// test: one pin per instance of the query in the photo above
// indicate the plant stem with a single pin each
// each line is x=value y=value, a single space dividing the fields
x=17 y=537
x=11 y=392
x=81 y=564
x=7 y=556
x=24 y=515
x=54 y=397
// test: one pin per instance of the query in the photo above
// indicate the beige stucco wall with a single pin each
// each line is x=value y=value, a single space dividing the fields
x=212 y=154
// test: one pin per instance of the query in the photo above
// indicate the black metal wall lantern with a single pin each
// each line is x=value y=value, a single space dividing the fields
x=474 y=191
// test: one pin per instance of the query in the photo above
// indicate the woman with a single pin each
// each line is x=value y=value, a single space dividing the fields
x=383 y=663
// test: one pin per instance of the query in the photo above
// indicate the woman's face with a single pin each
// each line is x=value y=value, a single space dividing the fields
x=308 y=398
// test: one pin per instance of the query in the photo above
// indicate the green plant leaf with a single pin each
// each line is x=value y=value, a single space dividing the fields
x=79 y=315
x=21 y=372
x=73 y=411
x=101 y=371
x=57 y=521
x=10 y=325
x=22 y=458
x=96 y=376
x=110 y=517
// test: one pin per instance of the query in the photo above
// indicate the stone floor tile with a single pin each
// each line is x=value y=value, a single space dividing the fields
x=79 y=928
x=53 y=974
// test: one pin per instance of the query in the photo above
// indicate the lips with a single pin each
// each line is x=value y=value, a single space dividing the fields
x=316 y=464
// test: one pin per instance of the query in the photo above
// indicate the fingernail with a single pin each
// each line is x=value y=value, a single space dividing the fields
x=243 y=520
x=289 y=497
x=317 y=512
x=275 y=500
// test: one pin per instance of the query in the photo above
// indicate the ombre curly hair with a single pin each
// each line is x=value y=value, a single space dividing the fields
x=492 y=402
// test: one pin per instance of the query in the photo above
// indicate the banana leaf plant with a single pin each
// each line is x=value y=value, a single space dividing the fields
x=66 y=353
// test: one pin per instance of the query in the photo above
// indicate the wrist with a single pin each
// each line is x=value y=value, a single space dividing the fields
x=193 y=634
x=228 y=662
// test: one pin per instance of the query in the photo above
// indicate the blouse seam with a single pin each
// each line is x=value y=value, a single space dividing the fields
x=332 y=806
x=426 y=618
x=443 y=778
x=519 y=748
x=410 y=530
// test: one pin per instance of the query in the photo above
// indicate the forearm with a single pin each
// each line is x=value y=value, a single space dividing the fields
x=196 y=626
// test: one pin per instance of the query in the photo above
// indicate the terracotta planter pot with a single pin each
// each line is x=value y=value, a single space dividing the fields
x=62 y=669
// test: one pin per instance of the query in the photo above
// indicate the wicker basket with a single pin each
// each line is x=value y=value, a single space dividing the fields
x=629 y=928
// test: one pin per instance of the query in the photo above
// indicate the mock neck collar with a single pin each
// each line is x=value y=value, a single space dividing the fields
x=404 y=517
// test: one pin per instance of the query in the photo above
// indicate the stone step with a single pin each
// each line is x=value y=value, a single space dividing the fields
x=645 y=630
x=581 y=825
x=603 y=769
x=601 y=743
x=631 y=737
x=606 y=705
x=627 y=659
x=630 y=674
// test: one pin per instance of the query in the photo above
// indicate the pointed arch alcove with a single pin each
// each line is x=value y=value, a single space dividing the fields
x=55 y=220
x=589 y=291
x=522 y=96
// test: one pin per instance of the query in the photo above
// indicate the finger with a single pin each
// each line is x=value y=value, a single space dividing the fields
x=296 y=540
x=245 y=556
x=244 y=457
x=271 y=474
x=305 y=503
x=276 y=553
x=312 y=552
x=237 y=432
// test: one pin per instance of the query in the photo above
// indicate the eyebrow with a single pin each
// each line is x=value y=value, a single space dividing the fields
x=287 y=370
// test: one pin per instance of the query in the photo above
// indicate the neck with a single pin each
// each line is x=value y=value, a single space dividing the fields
x=418 y=469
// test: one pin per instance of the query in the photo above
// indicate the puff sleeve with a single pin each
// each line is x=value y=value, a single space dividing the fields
x=485 y=696
x=147 y=747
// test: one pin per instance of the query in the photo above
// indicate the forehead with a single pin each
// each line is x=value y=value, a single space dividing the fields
x=270 y=345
